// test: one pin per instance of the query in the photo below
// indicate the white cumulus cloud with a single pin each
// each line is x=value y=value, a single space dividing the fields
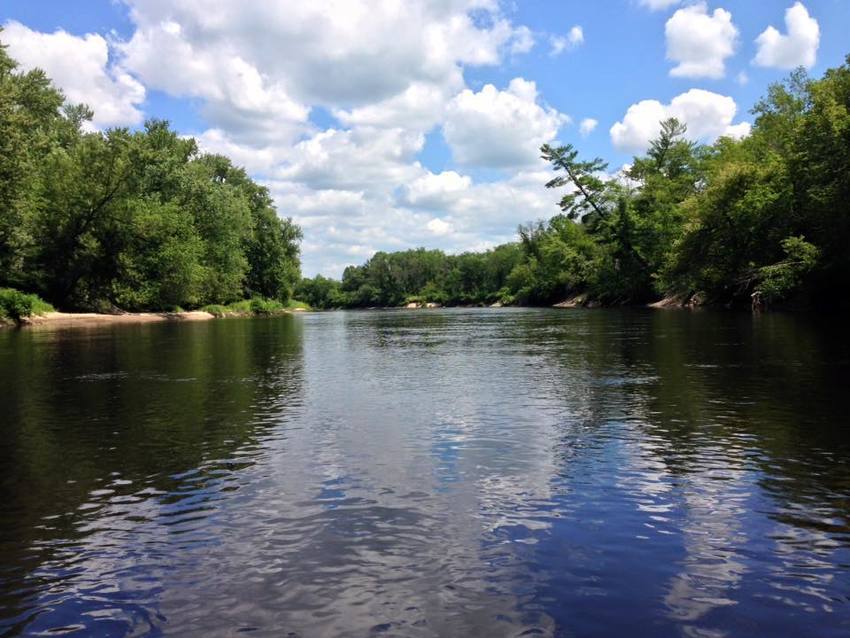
x=388 y=75
x=523 y=40
x=260 y=66
x=256 y=160
x=799 y=47
x=700 y=42
x=658 y=5
x=420 y=106
x=436 y=191
x=388 y=72
x=439 y=226
x=708 y=116
x=561 y=43
x=587 y=126
x=500 y=129
x=362 y=158
x=80 y=66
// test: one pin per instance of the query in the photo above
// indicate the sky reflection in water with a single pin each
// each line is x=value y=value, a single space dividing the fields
x=459 y=472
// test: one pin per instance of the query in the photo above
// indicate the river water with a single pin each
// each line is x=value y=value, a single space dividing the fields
x=428 y=473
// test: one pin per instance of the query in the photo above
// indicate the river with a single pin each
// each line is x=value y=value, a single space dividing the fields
x=428 y=473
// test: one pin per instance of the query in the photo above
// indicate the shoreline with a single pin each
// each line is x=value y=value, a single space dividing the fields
x=89 y=319
x=93 y=319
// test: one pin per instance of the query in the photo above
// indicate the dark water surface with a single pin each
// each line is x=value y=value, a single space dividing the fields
x=445 y=473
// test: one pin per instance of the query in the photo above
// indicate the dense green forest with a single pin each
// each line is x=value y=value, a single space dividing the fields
x=763 y=220
x=127 y=220
x=141 y=220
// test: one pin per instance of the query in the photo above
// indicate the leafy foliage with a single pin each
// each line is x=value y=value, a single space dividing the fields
x=132 y=220
x=393 y=279
x=17 y=306
x=725 y=222
x=778 y=280
x=788 y=180
x=254 y=306
x=141 y=220
x=590 y=194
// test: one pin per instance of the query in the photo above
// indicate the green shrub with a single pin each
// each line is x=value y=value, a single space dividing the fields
x=255 y=306
x=780 y=280
x=239 y=307
x=215 y=310
x=260 y=306
x=40 y=306
x=17 y=306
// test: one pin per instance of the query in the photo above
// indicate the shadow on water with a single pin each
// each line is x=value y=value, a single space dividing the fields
x=109 y=431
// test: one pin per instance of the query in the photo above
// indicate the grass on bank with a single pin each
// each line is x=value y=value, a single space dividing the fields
x=255 y=306
x=17 y=306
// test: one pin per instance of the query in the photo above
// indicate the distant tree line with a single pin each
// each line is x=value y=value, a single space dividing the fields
x=762 y=220
x=131 y=220
x=392 y=279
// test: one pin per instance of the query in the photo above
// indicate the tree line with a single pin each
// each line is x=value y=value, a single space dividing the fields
x=764 y=220
x=133 y=220
x=142 y=220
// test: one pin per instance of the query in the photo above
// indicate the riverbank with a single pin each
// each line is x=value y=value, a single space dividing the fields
x=18 y=309
x=90 y=319
x=93 y=319
x=583 y=300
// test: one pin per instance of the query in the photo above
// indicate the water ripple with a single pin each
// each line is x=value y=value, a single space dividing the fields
x=466 y=472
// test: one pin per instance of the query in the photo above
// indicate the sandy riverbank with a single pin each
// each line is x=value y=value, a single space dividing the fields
x=88 y=319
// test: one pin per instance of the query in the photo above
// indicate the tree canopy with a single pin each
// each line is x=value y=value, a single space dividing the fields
x=142 y=220
x=764 y=217
x=136 y=220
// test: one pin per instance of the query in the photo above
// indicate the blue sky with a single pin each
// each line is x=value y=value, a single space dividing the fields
x=387 y=125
